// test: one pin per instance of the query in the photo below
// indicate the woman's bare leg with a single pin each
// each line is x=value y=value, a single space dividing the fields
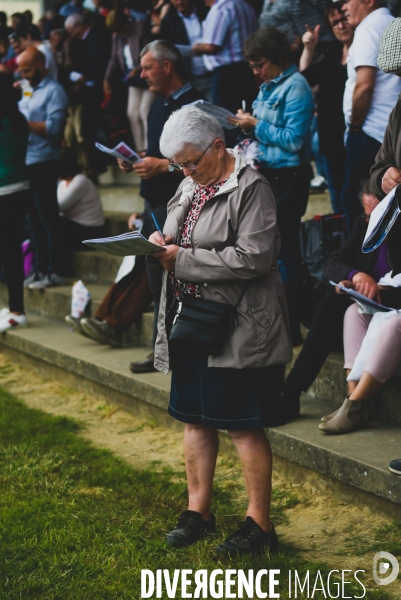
x=201 y=445
x=256 y=458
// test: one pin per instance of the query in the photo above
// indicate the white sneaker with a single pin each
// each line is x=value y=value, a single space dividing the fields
x=4 y=312
x=31 y=278
x=52 y=280
x=318 y=183
x=12 y=321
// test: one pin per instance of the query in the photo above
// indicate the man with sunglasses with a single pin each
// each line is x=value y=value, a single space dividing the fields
x=162 y=70
x=370 y=95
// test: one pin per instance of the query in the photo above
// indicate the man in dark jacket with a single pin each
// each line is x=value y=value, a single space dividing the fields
x=162 y=70
x=323 y=315
x=87 y=82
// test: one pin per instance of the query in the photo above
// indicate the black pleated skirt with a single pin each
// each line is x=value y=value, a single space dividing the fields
x=224 y=398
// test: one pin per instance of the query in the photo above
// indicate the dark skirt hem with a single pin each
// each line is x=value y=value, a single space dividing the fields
x=237 y=424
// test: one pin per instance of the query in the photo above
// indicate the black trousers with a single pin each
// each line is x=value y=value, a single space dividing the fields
x=325 y=322
x=13 y=211
x=44 y=218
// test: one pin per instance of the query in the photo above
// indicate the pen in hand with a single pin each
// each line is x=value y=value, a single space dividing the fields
x=243 y=106
x=157 y=225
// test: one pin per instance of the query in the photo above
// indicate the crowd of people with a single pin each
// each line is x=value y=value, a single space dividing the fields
x=306 y=83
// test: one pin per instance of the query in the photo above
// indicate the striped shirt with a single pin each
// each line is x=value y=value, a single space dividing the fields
x=227 y=25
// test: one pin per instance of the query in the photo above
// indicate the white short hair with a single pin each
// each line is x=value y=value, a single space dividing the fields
x=74 y=20
x=189 y=126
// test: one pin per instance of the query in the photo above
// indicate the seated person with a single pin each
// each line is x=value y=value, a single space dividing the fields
x=324 y=314
x=121 y=307
x=79 y=203
x=383 y=362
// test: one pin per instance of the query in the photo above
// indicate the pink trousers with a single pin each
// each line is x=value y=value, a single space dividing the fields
x=385 y=360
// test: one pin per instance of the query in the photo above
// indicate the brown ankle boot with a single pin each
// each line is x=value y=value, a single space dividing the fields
x=329 y=417
x=350 y=416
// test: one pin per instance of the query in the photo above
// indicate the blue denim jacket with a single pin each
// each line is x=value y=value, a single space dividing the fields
x=284 y=110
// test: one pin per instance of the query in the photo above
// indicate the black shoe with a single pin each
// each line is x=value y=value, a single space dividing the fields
x=249 y=539
x=395 y=466
x=144 y=366
x=101 y=332
x=190 y=528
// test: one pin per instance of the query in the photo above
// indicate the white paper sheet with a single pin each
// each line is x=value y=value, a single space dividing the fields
x=121 y=151
x=218 y=112
x=381 y=221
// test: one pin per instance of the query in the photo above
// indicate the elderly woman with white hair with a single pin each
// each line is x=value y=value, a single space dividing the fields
x=223 y=323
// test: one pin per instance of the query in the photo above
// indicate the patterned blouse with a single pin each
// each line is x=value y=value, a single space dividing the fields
x=201 y=196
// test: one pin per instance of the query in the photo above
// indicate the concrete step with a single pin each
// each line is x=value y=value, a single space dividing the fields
x=358 y=461
x=93 y=266
x=56 y=303
x=119 y=192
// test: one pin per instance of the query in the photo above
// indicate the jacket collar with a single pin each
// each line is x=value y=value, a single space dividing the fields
x=231 y=184
x=291 y=69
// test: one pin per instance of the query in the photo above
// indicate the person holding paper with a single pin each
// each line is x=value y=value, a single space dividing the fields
x=382 y=362
x=220 y=246
x=281 y=122
x=323 y=314
x=162 y=71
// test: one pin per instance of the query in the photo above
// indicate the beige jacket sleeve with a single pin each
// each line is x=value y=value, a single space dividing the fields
x=255 y=248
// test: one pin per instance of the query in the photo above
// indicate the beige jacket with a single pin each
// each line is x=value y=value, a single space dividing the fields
x=234 y=241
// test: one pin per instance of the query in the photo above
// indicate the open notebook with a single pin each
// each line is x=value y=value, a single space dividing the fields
x=381 y=221
x=132 y=243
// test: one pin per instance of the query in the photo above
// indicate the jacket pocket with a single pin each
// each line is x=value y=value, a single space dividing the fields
x=269 y=112
x=257 y=311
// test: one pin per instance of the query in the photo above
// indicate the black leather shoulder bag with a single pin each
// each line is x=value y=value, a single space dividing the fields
x=201 y=326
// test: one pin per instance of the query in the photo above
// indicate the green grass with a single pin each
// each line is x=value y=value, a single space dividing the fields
x=78 y=523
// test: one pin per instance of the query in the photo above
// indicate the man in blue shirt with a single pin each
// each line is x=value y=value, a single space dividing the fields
x=45 y=110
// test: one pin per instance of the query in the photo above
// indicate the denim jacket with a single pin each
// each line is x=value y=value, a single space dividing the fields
x=284 y=110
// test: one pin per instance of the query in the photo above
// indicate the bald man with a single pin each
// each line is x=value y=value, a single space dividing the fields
x=45 y=110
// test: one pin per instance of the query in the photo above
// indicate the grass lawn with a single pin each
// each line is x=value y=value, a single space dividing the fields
x=78 y=523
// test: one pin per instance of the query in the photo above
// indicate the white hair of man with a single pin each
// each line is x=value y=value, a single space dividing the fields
x=189 y=126
x=74 y=20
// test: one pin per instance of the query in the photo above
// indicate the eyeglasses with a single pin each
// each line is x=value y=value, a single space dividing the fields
x=257 y=66
x=337 y=22
x=190 y=166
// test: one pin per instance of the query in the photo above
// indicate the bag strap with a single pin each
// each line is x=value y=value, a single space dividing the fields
x=242 y=295
x=396 y=125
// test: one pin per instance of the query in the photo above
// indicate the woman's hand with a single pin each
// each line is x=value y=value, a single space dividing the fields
x=367 y=286
x=311 y=37
x=309 y=40
x=244 y=120
x=168 y=256
x=346 y=284
x=363 y=284
x=391 y=178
